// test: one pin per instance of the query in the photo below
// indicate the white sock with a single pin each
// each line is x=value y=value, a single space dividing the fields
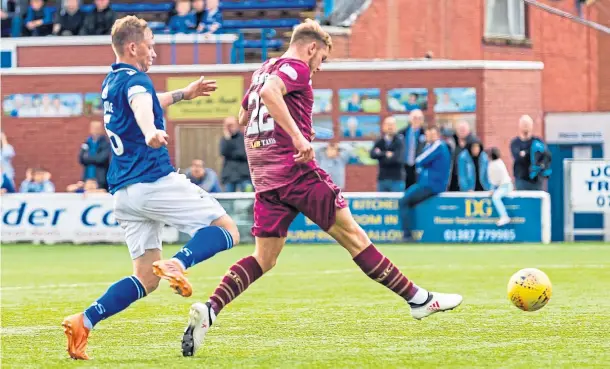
x=87 y=322
x=181 y=263
x=420 y=296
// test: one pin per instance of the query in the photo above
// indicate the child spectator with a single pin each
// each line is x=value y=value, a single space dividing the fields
x=212 y=20
x=69 y=20
x=38 y=19
x=37 y=181
x=88 y=186
x=501 y=184
x=472 y=168
x=184 y=20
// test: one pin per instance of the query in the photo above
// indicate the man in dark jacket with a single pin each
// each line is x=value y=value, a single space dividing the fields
x=389 y=150
x=235 y=172
x=520 y=148
x=462 y=138
x=95 y=155
x=69 y=20
x=100 y=20
x=415 y=140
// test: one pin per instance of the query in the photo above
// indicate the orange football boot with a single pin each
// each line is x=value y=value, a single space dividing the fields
x=172 y=271
x=77 y=334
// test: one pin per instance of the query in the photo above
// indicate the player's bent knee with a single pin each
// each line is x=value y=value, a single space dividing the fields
x=149 y=281
x=228 y=224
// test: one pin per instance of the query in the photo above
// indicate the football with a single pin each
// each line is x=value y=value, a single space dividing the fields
x=529 y=289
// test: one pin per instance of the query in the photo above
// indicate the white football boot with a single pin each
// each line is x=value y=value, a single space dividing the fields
x=201 y=318
x=435 y=303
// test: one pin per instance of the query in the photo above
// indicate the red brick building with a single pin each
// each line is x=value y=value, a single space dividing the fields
x=571 y=78
x=572 y=53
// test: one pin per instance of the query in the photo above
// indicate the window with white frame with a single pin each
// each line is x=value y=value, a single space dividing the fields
x=505 y=18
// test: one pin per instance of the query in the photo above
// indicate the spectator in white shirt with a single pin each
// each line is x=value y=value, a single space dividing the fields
x=8 y=153
x=501 y=183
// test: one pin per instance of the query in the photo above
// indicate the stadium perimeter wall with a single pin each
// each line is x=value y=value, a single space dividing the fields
x=575 y=77
x=504 y=91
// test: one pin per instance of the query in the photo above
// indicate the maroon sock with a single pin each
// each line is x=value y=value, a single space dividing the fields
x=239 y=277
x=380 y=269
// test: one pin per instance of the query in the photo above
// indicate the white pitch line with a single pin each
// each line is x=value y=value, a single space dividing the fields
x=330 y=271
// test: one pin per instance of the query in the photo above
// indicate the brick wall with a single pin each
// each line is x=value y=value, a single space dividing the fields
x=603 y=60
x=53 y=143
x=571 y=80
x=508 y=95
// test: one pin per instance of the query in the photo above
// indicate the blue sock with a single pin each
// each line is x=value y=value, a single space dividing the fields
x=118 y=297
x=206 y=243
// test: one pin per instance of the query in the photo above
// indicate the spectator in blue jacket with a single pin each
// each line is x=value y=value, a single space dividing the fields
x=7 y=183
x=37 y=181
x=212 y=20
x=184 y=20
x=472 y=168
x=434 y=166
x=203 y=177
x=38 y=19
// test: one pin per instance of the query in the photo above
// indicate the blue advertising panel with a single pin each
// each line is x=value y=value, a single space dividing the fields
x=442 y=219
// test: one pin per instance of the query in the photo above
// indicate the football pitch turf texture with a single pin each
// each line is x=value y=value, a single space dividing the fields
x=316 y=310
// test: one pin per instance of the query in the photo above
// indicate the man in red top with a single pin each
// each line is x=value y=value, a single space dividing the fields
x=277 y=112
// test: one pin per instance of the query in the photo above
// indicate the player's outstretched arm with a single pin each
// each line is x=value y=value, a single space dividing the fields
x=142 y=106
x=200 y=87
x=272 y=95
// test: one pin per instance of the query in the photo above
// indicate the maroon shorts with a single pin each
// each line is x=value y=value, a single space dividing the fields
x=314 y=194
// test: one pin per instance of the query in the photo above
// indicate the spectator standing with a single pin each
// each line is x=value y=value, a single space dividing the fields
x=520 y=148
x=472 y=167
x=7 y=183
x=212 y=20
x=69 y=20
x=8 y=153
x=37 y=181
x=414 y=140
x=38 y=19
x=100 y=20
x=434 y=164
x=9 y=11
x=203 y=177
x=235 y=171
x=333 y=160
x=462 y=137
x=389 y=150
x=184 y=20
x=501 y=185
x=94 y=155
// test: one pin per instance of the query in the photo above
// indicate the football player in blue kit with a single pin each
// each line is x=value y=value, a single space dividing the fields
x=148 y=192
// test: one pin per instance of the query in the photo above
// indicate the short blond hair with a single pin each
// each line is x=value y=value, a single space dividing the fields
x=311 y=30
x=128 y=29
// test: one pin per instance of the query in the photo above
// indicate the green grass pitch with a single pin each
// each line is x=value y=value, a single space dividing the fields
x=317 y=310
